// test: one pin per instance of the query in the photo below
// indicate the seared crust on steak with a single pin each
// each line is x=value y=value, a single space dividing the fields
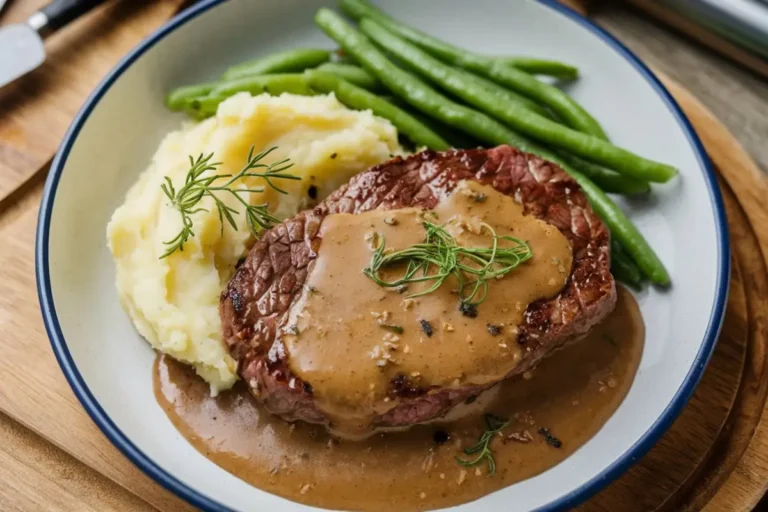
x=259 y=296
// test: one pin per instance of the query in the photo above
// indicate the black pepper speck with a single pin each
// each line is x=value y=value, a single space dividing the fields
x=441 y=436
x=468 y=309
x=549 y=438
x=494 y=330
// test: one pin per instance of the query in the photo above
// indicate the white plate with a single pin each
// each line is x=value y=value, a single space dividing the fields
x=120 y=126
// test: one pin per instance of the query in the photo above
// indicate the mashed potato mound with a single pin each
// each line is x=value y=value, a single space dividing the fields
x=174 y=301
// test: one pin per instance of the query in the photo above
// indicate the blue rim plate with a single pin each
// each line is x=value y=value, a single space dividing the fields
x=151 y=468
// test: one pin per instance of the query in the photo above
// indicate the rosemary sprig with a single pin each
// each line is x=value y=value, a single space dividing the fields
x=482 y=448
x=440 y=256
x=198 y=185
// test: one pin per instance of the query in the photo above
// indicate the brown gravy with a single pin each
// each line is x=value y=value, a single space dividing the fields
x=334 y=335
x=572 y=393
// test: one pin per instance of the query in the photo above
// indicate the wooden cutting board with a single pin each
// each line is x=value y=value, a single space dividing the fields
x=715 y=457
x=37 y=109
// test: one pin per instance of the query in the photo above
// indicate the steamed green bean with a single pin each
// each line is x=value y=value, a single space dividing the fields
x=297 y=59
x=294 y=83
x=352 y=74
x=511 y=113
x=573 y=114
x=179 y=98
x=609 y=181
x=533 y=66
x=360 y=99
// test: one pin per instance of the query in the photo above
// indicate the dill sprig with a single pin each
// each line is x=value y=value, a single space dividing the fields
x=440 y=256
x=494 y=425
x=198 y=185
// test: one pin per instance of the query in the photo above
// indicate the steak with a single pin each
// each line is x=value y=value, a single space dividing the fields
x=257 y=299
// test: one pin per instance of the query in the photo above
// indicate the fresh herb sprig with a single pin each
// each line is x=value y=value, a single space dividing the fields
x=495 y=425
x=198 y=185
x=440 y=256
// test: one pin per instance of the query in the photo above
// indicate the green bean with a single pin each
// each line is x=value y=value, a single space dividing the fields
x=286 y=61
x=427 y=100
x=188 y=97
x=204 y=106
x=454 y=137
x=606 y=179
x=340 y=57
x=360 y=99
x=359 y=9
x=506 y=94
x=409 y=88
x=499 y=71
x=179 y=98
x=623 y=268
x=352 y=74
x=294 y=83
x=573 y=114
x=533 y=66
x=272 y=84
x=521 y=119
x=624 y=232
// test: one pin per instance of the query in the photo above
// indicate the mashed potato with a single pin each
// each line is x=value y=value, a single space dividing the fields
x=174 y=301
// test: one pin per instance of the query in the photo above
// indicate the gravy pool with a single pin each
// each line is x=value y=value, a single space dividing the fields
x=571 y=394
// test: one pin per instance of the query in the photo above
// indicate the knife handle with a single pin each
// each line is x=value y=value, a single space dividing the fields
x=60 y=12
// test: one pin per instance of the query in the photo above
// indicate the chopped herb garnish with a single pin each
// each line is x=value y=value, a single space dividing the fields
x=494 y=425
x=426 y=327
x=294 y=329
x=494 y=330
x=549 y=438
x=199 y=183
x=440 y=256
x=394 y=328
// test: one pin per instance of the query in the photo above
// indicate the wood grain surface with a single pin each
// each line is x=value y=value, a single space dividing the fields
x=39 y=476
x=52 y=457
x=38 y=108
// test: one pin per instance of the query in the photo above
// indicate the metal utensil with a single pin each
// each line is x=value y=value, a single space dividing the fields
x=21 y=45
x=743 y=22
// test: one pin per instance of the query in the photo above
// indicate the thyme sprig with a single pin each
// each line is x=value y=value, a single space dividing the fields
x=198 y=185
x=494 y=425
x=440 y=256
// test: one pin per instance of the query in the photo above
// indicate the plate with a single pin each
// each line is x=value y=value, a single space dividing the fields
x=118 y=129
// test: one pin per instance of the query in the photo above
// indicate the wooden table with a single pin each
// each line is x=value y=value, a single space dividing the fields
x=37 y=475
x=736 y=96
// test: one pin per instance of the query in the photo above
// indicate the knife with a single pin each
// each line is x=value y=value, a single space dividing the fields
x=21 y=45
